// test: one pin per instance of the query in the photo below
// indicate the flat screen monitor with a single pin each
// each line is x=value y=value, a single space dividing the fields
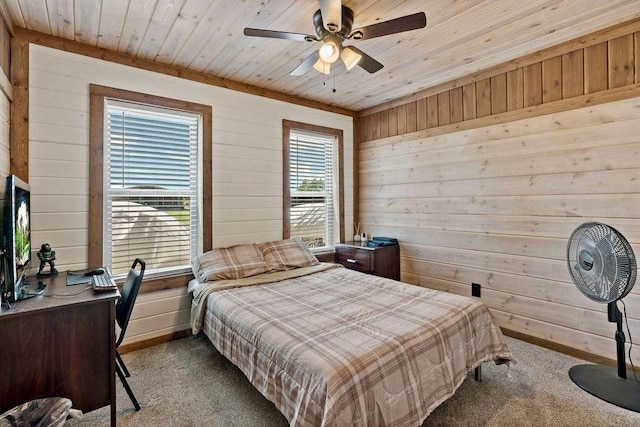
x=17 y=237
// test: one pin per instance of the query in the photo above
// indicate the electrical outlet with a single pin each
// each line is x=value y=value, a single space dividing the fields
x=475 y=289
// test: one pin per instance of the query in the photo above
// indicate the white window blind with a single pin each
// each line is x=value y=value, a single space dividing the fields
x=151 y=187
x=312 y=183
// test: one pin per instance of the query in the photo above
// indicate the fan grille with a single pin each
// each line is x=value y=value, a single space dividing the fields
x=601 y=262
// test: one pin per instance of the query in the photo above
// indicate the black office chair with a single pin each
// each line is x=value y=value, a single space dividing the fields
x=124 y=307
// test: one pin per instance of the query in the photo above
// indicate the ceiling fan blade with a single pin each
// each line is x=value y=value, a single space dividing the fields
x=367 y=62
x=331 y=11
x=393 y=26
x=307 y=64
x=256 y=32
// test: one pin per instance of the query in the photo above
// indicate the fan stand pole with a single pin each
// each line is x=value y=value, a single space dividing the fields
x=615 y=316
x=603 y=381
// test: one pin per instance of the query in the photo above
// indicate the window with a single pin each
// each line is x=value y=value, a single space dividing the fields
x=151 y=180
x=313 y=179
x=151 y=191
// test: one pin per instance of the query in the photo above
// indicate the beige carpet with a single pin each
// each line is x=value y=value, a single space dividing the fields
x=188 y=383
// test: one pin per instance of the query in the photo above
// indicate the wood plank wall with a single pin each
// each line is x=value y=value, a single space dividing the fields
x=5 y=165
x=5 y=106
x=606 y=65
x=247 y=162
x=485 y=182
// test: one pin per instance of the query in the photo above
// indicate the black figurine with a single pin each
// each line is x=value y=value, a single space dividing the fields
x=47 y=256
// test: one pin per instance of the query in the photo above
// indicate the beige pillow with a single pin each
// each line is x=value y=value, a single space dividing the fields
x=287 y=254
x=234 y=262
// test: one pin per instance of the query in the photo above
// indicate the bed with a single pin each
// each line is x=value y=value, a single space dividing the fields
x=331 y=346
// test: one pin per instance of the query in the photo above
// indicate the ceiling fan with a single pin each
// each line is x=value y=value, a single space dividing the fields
x=333 y=23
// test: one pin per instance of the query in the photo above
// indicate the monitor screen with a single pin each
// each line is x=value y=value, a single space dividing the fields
x=17 y=230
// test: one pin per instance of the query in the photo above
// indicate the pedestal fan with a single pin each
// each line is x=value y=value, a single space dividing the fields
x=603 y=267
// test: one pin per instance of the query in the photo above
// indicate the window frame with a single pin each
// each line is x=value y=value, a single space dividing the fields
x=287 y=127
x=96 y=174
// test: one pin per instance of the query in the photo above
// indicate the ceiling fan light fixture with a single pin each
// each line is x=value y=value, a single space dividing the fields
x=350 y=58
x=322 y=67
x=333 y=23
x=329 y=52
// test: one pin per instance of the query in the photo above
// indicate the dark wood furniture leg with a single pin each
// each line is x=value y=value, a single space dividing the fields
x=477 y=373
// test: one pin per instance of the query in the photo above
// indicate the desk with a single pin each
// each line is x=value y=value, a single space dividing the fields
x=61 y=343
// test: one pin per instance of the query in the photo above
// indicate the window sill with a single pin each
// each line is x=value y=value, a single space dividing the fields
x=163 y=283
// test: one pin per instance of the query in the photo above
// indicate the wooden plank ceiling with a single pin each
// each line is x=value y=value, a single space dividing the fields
x=461 y=38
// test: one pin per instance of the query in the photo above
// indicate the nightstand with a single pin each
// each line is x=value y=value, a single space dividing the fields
x=383 y=261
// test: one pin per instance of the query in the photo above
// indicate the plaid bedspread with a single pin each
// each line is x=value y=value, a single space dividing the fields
x=342 y=348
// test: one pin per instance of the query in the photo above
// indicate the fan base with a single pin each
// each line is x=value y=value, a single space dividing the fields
x=604 y=383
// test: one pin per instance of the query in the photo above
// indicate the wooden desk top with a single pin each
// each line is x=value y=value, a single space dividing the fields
x=57 y=294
